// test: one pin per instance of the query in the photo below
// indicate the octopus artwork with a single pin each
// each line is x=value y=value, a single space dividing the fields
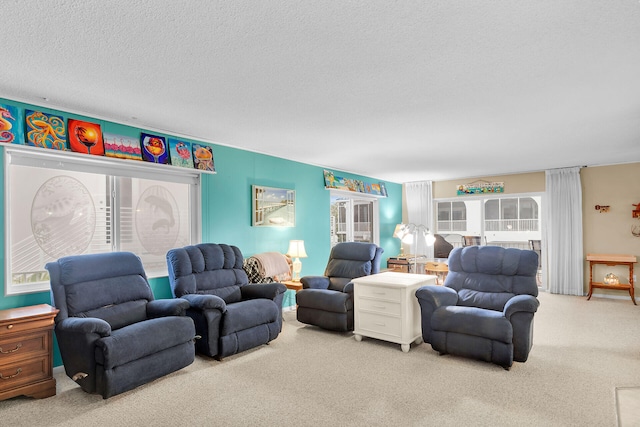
x=45 y=130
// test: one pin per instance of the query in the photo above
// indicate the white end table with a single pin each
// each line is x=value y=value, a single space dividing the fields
x=386 y=308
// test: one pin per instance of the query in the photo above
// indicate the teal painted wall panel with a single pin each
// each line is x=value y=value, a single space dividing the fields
x=226 y=209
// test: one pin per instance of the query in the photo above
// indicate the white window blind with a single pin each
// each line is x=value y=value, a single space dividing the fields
x=59 y=204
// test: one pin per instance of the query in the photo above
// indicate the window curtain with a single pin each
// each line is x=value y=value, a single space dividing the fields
x=563 y=231
x=419 y=198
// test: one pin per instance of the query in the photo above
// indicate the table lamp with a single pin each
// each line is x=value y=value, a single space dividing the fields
x=296 y=251
x=398 y=233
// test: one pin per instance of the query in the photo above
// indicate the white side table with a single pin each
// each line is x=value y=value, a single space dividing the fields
x=386 y=308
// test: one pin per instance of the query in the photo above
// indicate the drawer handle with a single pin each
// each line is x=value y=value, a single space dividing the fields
x=11 y=351
x=10 y=327
x=381 y=324
x=379 y=293
x=2 y=377
x=375 y=306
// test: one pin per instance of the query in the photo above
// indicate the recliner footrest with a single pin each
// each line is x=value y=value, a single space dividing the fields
x=473 y=321
x=325 y=300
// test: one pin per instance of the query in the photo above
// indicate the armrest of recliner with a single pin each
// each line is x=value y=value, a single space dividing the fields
x=527 y=303
x=77 y=338
x=85 y=325
x=167 y=307
x=430 y=299
x=315 y=282
x=266 y=290
x=204 y=302
x=437 y=296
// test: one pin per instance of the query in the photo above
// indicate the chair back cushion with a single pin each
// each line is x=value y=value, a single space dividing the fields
x=349 y=260
x=488 y=276
x=111 y=286
x=207 y=268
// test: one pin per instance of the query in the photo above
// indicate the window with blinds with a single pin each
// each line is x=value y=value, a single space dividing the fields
x=59 y=206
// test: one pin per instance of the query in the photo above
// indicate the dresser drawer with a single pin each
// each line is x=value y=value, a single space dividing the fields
x=377 y=306
x=22 y=325
x=386 y=325
x=24 y=372
x=380 y=292
x=24 y=346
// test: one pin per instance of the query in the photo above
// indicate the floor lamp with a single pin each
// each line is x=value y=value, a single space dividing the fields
x=409 y=233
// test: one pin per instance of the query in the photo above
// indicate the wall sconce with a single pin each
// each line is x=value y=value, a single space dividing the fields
x=296 y=250
x=602 y=209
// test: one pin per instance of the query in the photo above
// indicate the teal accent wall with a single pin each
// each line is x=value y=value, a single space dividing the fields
x=226 y=208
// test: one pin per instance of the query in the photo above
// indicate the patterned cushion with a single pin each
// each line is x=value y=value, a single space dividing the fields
x=252 y=269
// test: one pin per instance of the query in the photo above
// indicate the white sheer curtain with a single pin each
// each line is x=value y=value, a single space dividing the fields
x=419 y=198
x=563 y=231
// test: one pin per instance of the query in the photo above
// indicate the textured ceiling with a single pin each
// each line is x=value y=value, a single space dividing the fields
x=397 y=90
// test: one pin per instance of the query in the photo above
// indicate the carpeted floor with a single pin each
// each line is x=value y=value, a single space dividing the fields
x=585 y=355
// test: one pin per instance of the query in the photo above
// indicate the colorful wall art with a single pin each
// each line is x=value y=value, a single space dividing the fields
x=122 y=147
x=85 y=137
x=339 y=183
x=45 y=130
x=11 y=125
x=203 y=157
x=480 y=187
x=154 y=148
x=180 y=153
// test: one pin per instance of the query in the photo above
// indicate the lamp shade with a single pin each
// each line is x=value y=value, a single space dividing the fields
x=296 y=249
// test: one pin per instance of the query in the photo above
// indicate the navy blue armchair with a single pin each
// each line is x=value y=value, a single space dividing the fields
x=485 y=308
x=231 y=314
x=113 y=336
x=327 y=301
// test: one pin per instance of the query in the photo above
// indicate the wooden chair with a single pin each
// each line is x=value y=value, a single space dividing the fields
x=472 y=240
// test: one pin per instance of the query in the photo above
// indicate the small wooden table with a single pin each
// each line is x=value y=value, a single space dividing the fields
x=612 y=260
x=439 y=268
x=26 y=352
x=294 y=286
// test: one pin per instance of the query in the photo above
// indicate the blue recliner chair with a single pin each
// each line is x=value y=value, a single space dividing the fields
x=113 y=336
x=230 y=314
x=327 y=301
x=485 y=308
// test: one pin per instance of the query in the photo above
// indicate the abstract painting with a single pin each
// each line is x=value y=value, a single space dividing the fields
x=180 y=152
x=154 y=148
x=85 y=137
x=11 y=125
x=45 y=130
x=122 y=147
x=203 y=158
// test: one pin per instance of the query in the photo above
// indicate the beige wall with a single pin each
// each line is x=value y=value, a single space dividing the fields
x=610 y=233
x=603 y=233
x=520 y=183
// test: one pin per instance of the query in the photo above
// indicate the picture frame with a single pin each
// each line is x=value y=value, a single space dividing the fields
x=154 y=148
x=122 y=146
x=273 y=207
x=45 y=130
x=85 y=137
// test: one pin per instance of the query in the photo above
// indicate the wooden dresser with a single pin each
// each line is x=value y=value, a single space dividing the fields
x=26 y=351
